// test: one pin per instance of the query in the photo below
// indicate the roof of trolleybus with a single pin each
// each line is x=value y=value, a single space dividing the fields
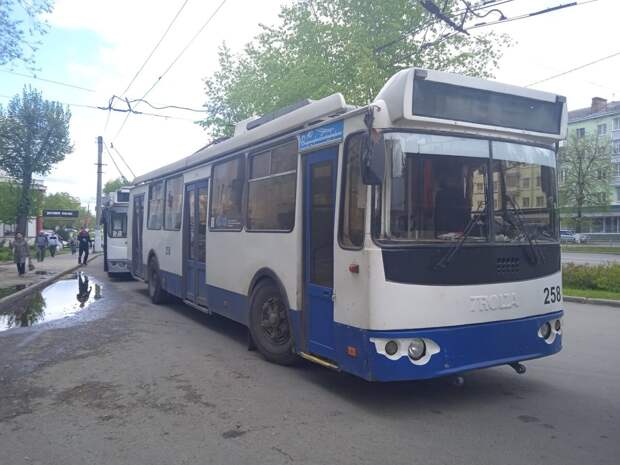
x=412 y=98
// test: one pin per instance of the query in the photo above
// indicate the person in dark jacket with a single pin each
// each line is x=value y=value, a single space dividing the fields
x=41 y=243
x=21 y=253
x=84 y=243
x=83 y=289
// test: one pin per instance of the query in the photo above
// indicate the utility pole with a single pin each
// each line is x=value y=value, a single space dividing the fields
x=98 y=207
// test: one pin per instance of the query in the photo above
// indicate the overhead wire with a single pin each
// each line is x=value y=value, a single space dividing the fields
x=571 y=70
x=428 y=23
x=176 y=59
x=161 y=39
x=51 y=81
x=506 y=20
x=94 y=107
x=114 y=161
x=123 y=159
x=532 y=14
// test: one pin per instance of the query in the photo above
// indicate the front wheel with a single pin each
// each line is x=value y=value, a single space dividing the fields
x=156 y=293
x=269 y=324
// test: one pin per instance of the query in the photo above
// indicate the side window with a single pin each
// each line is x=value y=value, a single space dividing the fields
x=353 y=211
x=271 y=189
x=156 y=205
x=174 y=202
x=226 y=201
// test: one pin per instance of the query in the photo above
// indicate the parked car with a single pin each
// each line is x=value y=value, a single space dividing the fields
x=570 y=236
x=566 y=235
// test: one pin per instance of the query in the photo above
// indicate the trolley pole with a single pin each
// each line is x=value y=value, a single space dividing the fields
x=98 y=207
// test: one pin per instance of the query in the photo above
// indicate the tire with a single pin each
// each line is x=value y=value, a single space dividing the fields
x=156 y=293
x=269 y=324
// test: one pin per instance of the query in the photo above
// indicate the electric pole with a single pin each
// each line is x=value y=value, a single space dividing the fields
x=98 y=207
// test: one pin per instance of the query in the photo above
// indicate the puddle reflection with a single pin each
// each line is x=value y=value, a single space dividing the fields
x=58 y=300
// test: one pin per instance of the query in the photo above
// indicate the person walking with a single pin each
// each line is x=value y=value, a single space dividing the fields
x=52 y=243
x=73 y=245
x=21 y=253
x=41 y=243
x=84 y=243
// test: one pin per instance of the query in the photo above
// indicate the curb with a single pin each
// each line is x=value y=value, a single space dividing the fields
x=590 y=300
x=46 y=282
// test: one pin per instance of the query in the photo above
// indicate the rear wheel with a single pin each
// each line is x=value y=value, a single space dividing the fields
x=269 y=324
x=156 y=293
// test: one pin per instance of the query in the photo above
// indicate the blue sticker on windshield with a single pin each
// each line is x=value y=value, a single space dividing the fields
x=321 y=135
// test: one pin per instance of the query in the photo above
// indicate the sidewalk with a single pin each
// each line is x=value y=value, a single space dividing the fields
x=44 y=271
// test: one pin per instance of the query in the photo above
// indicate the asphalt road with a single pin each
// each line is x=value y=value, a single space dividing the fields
x=580 y=258
x=132 y=383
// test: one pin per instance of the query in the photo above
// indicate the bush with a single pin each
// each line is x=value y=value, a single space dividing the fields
x=601 y=277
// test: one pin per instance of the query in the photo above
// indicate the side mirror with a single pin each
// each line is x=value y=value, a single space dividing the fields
x=373 y=161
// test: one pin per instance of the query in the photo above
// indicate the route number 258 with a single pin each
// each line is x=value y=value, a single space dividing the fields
x=552 y=294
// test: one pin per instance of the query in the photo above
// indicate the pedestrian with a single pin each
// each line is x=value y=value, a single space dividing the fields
x=73 y=245
x=52 y=243
x=84 y=243
x=21 y=253
x=83 y=289
x=41 y=244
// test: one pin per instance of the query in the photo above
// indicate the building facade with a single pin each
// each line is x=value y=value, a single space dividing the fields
x=602 y=119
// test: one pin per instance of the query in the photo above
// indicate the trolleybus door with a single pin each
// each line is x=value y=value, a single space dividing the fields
x=194 y=240
x=319 y=201
x=137 y=266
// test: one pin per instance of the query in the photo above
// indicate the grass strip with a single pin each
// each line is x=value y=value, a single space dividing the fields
x=591 y=293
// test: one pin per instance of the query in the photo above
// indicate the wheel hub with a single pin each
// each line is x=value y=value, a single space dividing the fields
x=274 y=320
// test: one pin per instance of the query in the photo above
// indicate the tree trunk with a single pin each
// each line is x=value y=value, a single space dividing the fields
x=25 y=202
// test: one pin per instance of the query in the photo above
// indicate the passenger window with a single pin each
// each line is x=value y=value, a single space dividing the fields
x=174 y=200
x=228 y=180
x=156 y=205
x=271 y=192
x=353 y=214
x=259 y=165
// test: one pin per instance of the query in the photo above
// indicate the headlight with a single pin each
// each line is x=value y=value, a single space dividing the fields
x=545 y=330
x=391 y=347
x=558 y=325
x=417 y=349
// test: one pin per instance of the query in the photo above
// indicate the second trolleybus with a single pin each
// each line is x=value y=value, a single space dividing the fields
x=411 y=238
x=114 y=220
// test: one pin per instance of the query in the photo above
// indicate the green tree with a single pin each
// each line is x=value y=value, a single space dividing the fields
x=10 y=193
x=348 y=46
x=584 y=164
x=114 y=184
x=20 y=29
x=34 y=136
x=60 y=201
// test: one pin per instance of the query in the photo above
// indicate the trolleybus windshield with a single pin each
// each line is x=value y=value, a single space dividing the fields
x=436 y=185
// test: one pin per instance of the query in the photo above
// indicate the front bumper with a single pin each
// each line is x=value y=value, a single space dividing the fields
x=118 y=266
x=461 y=348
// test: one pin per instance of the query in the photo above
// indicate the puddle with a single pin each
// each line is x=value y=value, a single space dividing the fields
x=4 y=291
x=61 y=299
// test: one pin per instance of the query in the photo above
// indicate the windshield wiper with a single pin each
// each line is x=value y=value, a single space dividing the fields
x=516 y=220
x=444 y=261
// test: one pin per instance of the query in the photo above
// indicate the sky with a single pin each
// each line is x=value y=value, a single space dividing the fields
x=100 y=45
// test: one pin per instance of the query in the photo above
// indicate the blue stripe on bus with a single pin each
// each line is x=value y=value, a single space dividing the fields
x=226 y=303
x=229 y=304
x=462 y=348
x=172 y=283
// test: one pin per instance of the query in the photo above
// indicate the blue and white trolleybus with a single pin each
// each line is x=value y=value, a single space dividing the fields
x=411 y=238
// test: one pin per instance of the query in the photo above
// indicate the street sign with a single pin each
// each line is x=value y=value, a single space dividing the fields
x=61 y=213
